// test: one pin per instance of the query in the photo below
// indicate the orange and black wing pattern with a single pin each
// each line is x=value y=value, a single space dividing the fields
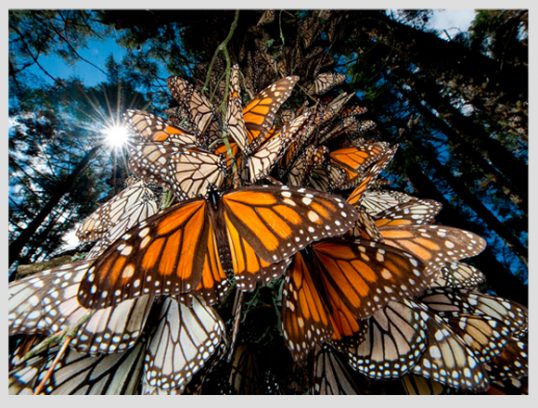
x=363 y=178
x=305 y=316
x=349 y=282
x=165 y=254
x=414 y=212
x=151 y=128
x=259 y=114
x=267 y=224
x=435 y=245
x=367 y=275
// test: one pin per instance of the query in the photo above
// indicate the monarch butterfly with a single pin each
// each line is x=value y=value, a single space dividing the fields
x=354 y=161
x=250 y=128
x=184 y=339
x=362 y=179
x=354 y=110
x=413 y=212
x=184 y=248
x=193 y=102
x=319 y=115
x=447 y=359
x=349 y=125
x=261 y=162
x=433 y=244
x=150 y=128
x=77 y=373
x=308 y=30
x=367 y=275
x=375 y=202
x=327 y=177
x=311 y=158
x=394 y=341
x=365 y=227
x=459 y=275
x=259 y=114
x=485 y=335
x=331 y=376
x=127 y=208
x=326 y=294
x=331 y=110
x=446 y=301
x=512 y=364
x=245 y=375
x=23 y=375
x=46 y=303
x=325 y=82
x=235 y=123
x=187 y=170
x=313 y=169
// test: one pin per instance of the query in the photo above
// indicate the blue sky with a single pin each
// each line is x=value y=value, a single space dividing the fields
x=97 y=51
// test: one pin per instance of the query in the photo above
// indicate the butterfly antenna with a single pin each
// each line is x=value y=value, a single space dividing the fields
x=238 y=303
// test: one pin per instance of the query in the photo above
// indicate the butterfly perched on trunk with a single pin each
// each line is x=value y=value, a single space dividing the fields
x=192 y=245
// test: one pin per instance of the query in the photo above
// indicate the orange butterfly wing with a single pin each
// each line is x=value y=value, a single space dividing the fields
x=278 y=221
x=165 y=254
x=306 y=319
x=151 y=128
x=362 y=180
x=367 y=275
x=353 y=280
x=433 y=244
x=259 y=113
x=266 y=225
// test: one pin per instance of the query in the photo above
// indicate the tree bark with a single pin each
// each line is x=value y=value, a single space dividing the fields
x=516 y=180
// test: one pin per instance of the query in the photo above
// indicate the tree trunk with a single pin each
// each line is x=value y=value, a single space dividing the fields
x=472 y=134
x=61 y=189
x=515 y=182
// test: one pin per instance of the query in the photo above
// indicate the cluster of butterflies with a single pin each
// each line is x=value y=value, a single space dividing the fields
x=368 y=287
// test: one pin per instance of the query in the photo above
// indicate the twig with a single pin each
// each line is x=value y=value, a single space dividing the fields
x=60 y=354
x=280 y=27
x=69 y=332
x=221 y=48
x=167 y=199
x=34 y=58
x=238 y=303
